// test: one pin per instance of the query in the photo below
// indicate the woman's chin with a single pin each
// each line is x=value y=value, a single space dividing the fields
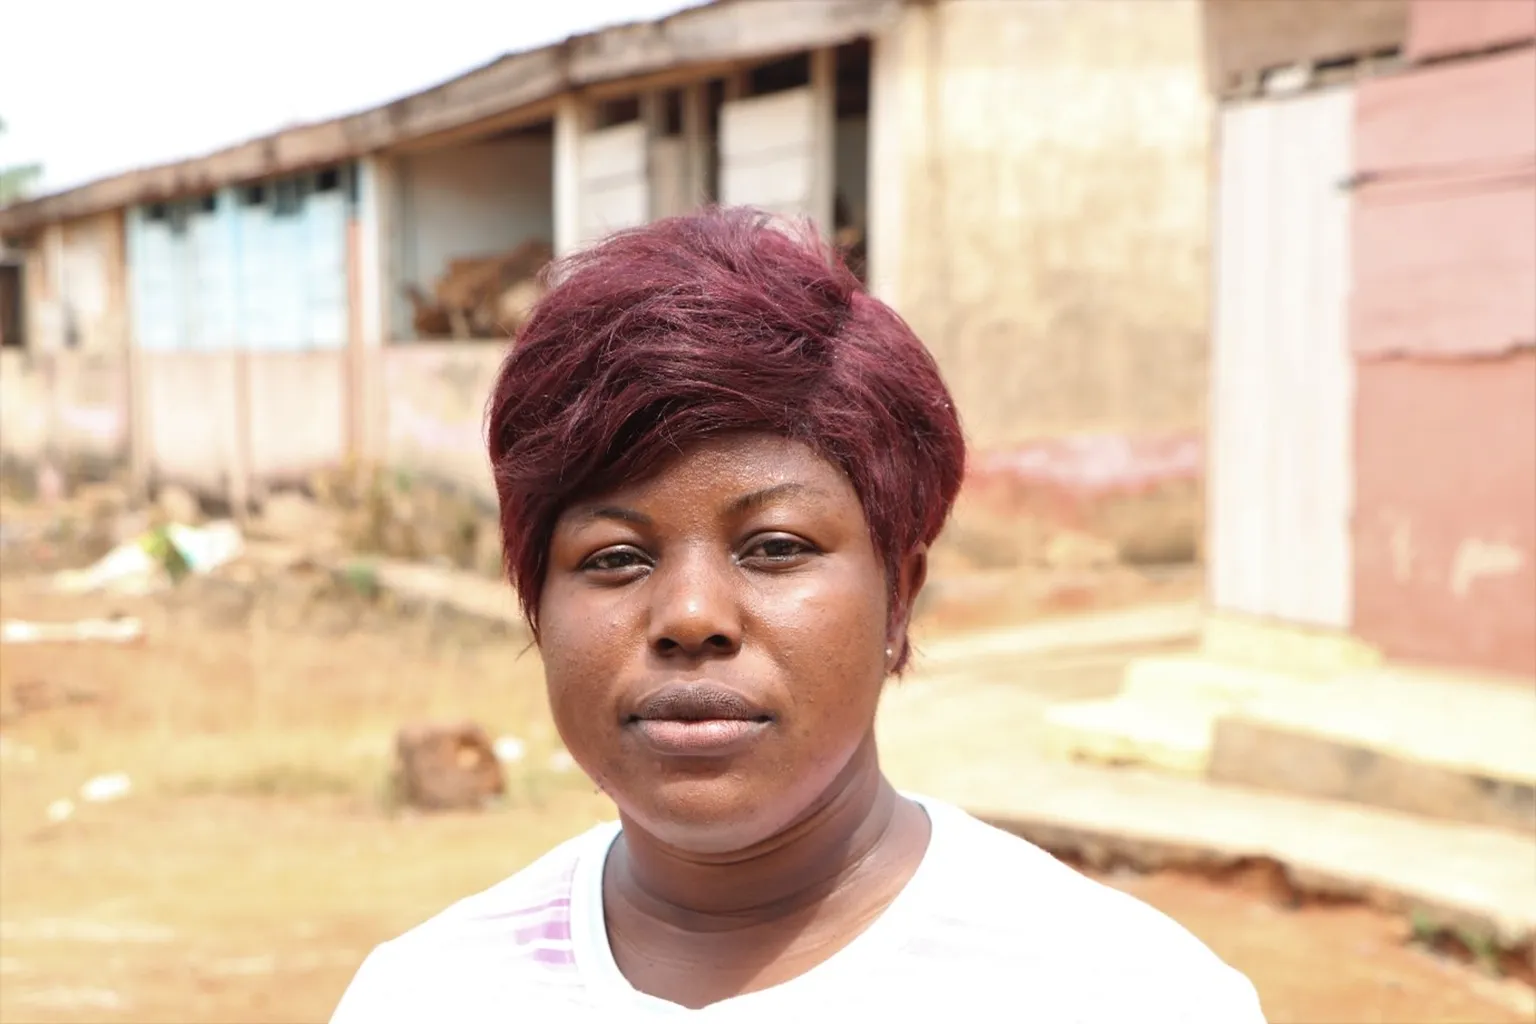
x=703 y=813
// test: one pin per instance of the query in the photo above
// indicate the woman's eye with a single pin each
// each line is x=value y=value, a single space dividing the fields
x=614 y=560
x=778 y=549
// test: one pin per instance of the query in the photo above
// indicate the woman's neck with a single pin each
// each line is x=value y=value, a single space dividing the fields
x=862 y=827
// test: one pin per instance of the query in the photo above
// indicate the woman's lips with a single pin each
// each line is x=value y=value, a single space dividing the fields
x=712 y=737
x=698 y=720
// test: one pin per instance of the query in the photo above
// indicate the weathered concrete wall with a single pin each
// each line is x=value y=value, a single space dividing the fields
x=1445 y=522
x=77 y=286
x=299 y=406
x=1053 y=253
x=68 y=407
x=434 y=408
x=23 y=407
x=231 y=422
x=192 y=411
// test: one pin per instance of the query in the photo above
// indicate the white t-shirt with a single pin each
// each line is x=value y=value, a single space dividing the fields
x=989 y=928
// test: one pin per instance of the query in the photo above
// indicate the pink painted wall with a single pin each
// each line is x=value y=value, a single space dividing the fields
x=1439 y=28
x=1141 y=494
x=1445 y=522
x=1443 y=320
x=1445 y=258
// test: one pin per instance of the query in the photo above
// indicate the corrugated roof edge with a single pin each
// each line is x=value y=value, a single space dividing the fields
x=711 y=32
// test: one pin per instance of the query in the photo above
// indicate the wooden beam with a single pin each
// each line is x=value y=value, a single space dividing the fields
x=1244 y=38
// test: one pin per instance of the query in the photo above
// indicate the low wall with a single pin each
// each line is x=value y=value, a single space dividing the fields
x=69 y=407
x=434 y=396
x=1130 y=498
x=269 y=417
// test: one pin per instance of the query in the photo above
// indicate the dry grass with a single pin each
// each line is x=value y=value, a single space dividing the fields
x=259 y=841
x=258 y=857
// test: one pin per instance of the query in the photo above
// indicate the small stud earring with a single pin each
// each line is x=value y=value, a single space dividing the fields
x=889 y=652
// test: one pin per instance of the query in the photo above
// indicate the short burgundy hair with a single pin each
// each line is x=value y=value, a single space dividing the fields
x=707 y=324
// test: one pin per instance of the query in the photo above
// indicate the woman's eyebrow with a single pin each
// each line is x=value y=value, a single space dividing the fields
x=618 y=512
x=757 y=499
x=739 y=505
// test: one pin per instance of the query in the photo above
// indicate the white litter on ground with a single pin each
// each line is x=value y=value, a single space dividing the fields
x=509 y=749
x=103 y=788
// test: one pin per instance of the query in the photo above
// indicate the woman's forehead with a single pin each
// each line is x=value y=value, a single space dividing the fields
x=742 y=471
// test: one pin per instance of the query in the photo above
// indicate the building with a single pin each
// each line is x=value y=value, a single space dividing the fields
x=1030 y=179
x=1370 y=626
x=1373 y=428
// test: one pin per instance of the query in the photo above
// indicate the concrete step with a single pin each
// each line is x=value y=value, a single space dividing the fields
x=1171 y=736
x=1164 y=716
x=980 y=742
x=1459 y=876
x=1443 y=746
x=1299 y=651
x=1129 y=628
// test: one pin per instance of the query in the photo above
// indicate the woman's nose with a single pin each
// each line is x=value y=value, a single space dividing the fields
x=695 y=611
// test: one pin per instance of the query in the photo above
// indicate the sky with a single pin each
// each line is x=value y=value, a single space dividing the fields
x=91 y=88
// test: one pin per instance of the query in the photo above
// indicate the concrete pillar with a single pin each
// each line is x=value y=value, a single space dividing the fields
x=887 y=164
x=569 y=121
x=371 y=269
x=824 y=135
x=696 y=138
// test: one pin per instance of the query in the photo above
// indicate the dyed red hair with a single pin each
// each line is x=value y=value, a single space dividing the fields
x=702 y=325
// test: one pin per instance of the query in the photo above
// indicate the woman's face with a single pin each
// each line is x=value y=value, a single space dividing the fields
x=715 y=639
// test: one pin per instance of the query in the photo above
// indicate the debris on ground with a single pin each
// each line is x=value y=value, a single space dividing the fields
x=12 y=751
x=105 y=788
x=482 y=296
x=156 y=559
x=36 y=694
x=108 y=631
x=127 y=569
x=200 y=549
x=447 y=767
x=509 y=749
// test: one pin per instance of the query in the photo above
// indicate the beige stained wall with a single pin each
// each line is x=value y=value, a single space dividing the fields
x=65 y=397
x=77 y=286
x=1055 y=166
x=1045 y=166
x=435 y=395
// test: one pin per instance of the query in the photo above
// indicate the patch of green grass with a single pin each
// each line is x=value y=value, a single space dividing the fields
x=1477 y=944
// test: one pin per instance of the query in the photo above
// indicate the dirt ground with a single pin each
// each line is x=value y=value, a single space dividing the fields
x=257 y=858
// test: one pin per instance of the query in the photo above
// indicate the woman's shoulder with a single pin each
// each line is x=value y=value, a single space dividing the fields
x=516 y=932
x=995 y=898
x=540 y=892
x=997 y=878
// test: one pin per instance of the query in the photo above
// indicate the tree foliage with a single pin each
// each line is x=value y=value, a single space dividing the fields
x=17 y=180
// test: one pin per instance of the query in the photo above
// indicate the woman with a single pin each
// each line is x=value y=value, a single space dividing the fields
x=720 y=465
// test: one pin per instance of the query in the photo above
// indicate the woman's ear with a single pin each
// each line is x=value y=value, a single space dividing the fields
x=910 y=577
